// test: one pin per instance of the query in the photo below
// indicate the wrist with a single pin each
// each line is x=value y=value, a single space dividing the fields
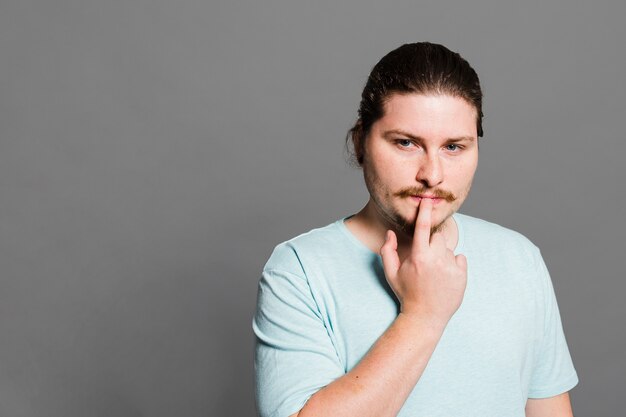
x=432 y=324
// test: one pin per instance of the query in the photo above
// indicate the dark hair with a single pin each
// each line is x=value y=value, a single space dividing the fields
x=423 y=68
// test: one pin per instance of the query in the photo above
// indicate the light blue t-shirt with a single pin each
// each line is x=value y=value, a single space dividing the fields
x=323 y=301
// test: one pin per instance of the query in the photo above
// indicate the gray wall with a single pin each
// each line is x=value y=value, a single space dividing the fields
x=152 y=153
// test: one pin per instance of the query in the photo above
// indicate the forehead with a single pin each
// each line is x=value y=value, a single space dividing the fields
x=431 y=115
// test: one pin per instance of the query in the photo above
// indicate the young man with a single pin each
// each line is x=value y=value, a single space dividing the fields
x=409 y=308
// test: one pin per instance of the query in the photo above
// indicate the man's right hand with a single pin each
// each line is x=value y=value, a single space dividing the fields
x=430 y=282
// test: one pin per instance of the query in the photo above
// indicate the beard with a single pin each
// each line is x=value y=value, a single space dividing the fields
x=389 y=203
x=397 y=222
x=408 y=227
x=394 y=219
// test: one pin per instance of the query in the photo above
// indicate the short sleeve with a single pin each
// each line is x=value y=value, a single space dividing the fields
x=294 y=355
x=553 y=370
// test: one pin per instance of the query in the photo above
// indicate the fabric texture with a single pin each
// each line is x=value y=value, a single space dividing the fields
x=323 y=301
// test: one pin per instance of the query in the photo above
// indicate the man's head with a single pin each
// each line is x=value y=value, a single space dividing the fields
x=421 y=68
x=417 y=134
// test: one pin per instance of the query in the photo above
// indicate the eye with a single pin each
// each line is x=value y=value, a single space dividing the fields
x=452 y=147
x=404 y=143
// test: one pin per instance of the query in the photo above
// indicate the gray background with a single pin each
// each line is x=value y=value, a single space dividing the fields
x=152 y=154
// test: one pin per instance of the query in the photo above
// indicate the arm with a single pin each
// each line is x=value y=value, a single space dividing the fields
x=381 y=382
x=430 y=284
x=557 y=406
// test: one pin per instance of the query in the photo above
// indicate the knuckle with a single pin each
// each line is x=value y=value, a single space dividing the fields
x=420 y=258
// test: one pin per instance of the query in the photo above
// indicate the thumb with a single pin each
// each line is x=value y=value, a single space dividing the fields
x=391 y=261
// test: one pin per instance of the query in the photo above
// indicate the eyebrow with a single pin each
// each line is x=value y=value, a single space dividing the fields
x=400 y=132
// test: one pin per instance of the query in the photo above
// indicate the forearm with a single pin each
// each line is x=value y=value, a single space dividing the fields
x=381 y=382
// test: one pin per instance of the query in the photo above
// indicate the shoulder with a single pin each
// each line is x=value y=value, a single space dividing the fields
x=287 y=255
x=484 y=235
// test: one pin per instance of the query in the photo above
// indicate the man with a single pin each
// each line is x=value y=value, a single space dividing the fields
x=409 y=308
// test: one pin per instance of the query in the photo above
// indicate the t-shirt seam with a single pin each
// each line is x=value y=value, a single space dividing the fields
x=568 y=383
x=318 y=310
x=287 y=406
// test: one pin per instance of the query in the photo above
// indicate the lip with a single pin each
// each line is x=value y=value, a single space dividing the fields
x=435 y=200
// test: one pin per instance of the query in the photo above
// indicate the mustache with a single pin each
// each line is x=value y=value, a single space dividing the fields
x=446 y=195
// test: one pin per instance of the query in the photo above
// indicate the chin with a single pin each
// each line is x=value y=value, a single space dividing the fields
x=407 y=226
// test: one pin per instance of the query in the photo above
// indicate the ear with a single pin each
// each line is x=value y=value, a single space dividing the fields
x=358 y=141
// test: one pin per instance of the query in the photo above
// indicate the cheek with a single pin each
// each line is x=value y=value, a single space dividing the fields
x=392 y=176
x=464 y=183
x=380 y=170
x=462 y=172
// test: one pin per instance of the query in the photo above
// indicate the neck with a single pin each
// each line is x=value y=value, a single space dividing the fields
x=370 y=227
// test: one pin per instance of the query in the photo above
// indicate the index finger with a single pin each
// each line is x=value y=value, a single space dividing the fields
x=421 y=235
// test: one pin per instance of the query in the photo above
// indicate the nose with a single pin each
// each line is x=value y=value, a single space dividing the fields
x=430 y=171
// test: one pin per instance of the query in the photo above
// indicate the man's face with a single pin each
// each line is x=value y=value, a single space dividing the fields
x=424 y=146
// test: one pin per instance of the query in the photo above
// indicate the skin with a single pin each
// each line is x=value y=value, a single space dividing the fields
x=557 y=406
x=423 y=145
